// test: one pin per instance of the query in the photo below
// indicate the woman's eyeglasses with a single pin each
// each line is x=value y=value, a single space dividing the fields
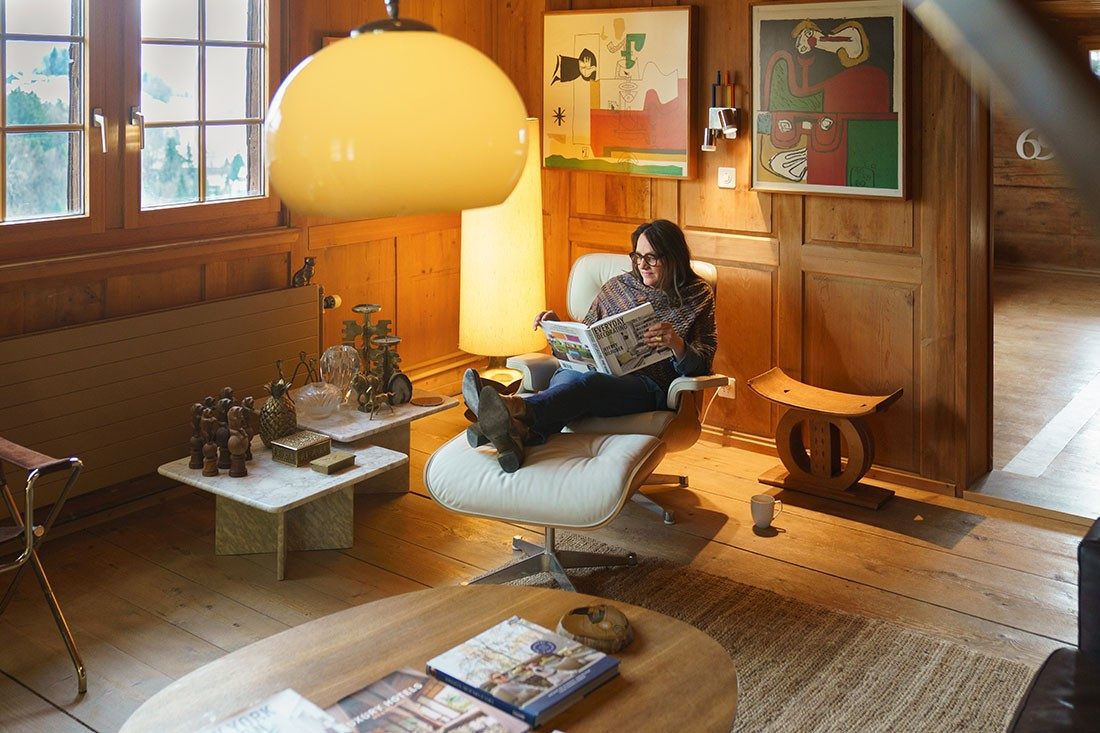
x=649 y=259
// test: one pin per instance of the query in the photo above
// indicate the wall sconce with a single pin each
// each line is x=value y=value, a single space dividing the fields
x=724 y=116
x=723 y=121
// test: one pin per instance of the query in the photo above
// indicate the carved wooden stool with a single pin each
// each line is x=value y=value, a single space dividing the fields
x=830 y=415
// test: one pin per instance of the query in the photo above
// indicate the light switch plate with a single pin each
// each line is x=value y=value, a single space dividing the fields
x=727 y=178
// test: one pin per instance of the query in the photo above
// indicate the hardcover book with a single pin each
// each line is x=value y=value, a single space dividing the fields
x=407 y=700
x=613 y=345
x=524 y=669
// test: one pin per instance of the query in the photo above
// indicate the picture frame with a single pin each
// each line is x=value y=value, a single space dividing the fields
x=828 y=114
x=617 y=91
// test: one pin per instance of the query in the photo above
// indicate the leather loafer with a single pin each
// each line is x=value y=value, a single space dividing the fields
x=498 y=424
x=471 y=390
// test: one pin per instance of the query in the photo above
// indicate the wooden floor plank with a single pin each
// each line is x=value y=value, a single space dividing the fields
x=150 y=601
x=22 y=711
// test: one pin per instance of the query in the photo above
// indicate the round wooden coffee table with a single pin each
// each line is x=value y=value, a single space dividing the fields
x=673 y=677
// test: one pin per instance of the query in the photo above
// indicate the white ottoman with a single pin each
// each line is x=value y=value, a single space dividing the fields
x=575 y=481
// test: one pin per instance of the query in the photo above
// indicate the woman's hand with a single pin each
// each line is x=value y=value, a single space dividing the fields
x=663 y=334
x=545 y=316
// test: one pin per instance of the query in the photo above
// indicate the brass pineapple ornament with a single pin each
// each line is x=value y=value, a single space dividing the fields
x=278 y=416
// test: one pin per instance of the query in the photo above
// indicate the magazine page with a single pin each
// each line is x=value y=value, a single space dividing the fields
x=283 y=712
x=620 y=339
x=408 y=700
x=571 y=344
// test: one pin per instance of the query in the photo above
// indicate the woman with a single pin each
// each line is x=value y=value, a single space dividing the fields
x=684 y=305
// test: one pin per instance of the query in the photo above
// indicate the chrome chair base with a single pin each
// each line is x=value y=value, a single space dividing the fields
x=547 y=559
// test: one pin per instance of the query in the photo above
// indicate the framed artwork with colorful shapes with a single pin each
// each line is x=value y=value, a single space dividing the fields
x=617 y=91
x=828 y=111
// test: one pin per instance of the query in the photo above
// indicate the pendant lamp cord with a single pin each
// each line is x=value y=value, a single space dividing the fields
x=391 y=8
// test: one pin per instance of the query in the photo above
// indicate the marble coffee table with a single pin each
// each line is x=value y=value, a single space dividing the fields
x=276 y=507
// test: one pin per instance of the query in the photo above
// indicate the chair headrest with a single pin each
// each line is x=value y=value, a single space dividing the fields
x=591 y=271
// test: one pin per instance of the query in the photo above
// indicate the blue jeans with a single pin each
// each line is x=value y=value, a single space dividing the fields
x=573 y=395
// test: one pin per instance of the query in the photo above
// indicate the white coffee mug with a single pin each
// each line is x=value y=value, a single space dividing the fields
x=765 y=507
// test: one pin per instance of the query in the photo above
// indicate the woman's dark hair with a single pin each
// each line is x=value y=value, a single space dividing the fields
x=669 y=243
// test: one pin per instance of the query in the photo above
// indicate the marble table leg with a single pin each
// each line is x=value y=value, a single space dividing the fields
x=396 y=480
x=323 y=524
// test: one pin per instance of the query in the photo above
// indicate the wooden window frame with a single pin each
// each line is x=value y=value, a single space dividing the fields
x=113 y=220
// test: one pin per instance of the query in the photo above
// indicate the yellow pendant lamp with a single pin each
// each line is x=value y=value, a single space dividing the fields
x=395 y=120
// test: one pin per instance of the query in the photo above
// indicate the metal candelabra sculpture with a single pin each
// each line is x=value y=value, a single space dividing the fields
x=382 y=383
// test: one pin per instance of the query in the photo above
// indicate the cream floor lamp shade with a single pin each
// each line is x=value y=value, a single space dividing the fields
x=396 y=120
x=502 y=274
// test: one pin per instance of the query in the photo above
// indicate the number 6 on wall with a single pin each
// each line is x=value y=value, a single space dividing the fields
x=1030 y=147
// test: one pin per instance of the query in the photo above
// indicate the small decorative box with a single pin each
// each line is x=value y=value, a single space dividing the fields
x=335 y=461
x=298 y=449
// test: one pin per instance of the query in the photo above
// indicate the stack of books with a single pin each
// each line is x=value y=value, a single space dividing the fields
x=504 y=680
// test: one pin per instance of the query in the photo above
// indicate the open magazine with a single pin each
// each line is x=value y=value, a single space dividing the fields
x=613 y=345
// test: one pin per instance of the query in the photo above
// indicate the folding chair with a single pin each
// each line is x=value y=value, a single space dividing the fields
x=31 y=536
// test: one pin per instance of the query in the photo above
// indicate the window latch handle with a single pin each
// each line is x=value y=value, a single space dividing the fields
x=98 y=120
x=138 y=118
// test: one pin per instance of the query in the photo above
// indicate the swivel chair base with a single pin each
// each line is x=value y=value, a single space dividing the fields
x=546 y=559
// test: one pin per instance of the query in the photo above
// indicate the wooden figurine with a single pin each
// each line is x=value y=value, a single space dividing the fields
x=196 y=436
x=210 y=446
x=222 y=437
x=237 y=442
x=248 y=414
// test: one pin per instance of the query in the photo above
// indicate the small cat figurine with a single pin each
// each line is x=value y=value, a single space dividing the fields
x=304 y=276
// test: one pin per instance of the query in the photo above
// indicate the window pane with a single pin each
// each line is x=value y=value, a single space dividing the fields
x=170 y=18
x=169 y=166
x=1094 y=61
x=234 y=20
x=49 y=17
x=39 y=88
x=232 y=161
x=43 y=175
x=232 y=91
x=169 y=83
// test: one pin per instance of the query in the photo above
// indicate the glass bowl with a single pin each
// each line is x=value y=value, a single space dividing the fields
x=317 y=399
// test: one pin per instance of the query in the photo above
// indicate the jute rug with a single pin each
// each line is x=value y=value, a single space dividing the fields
x=803 y=667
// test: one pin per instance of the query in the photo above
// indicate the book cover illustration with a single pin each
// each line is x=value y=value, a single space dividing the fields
x=407 y=701
x=283 y=712
x=524 y=668
x=612 y=345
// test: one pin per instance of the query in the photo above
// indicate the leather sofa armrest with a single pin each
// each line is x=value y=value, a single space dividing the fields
x=536 y=369
x=694 y=384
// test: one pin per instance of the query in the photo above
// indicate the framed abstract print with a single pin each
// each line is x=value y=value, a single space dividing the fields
x=828 y=111
x=617 y=91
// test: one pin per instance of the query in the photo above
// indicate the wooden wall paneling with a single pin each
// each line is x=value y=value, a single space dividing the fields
x=861 y=337
x=745 y=312
x=1086 y=240
x=789 y=227
x=259 y=273
x=359 y=273
x=427 y=296
x=722 y=43
x=142 y=292
x=63 y=303
x=941 y=229
x=975 y=317
x=861 y=222
x=11 y=310
x=605 y=195
x=555 y=232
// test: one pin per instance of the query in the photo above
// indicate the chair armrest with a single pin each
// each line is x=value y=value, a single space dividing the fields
x=536 y=368
x=694 y=384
